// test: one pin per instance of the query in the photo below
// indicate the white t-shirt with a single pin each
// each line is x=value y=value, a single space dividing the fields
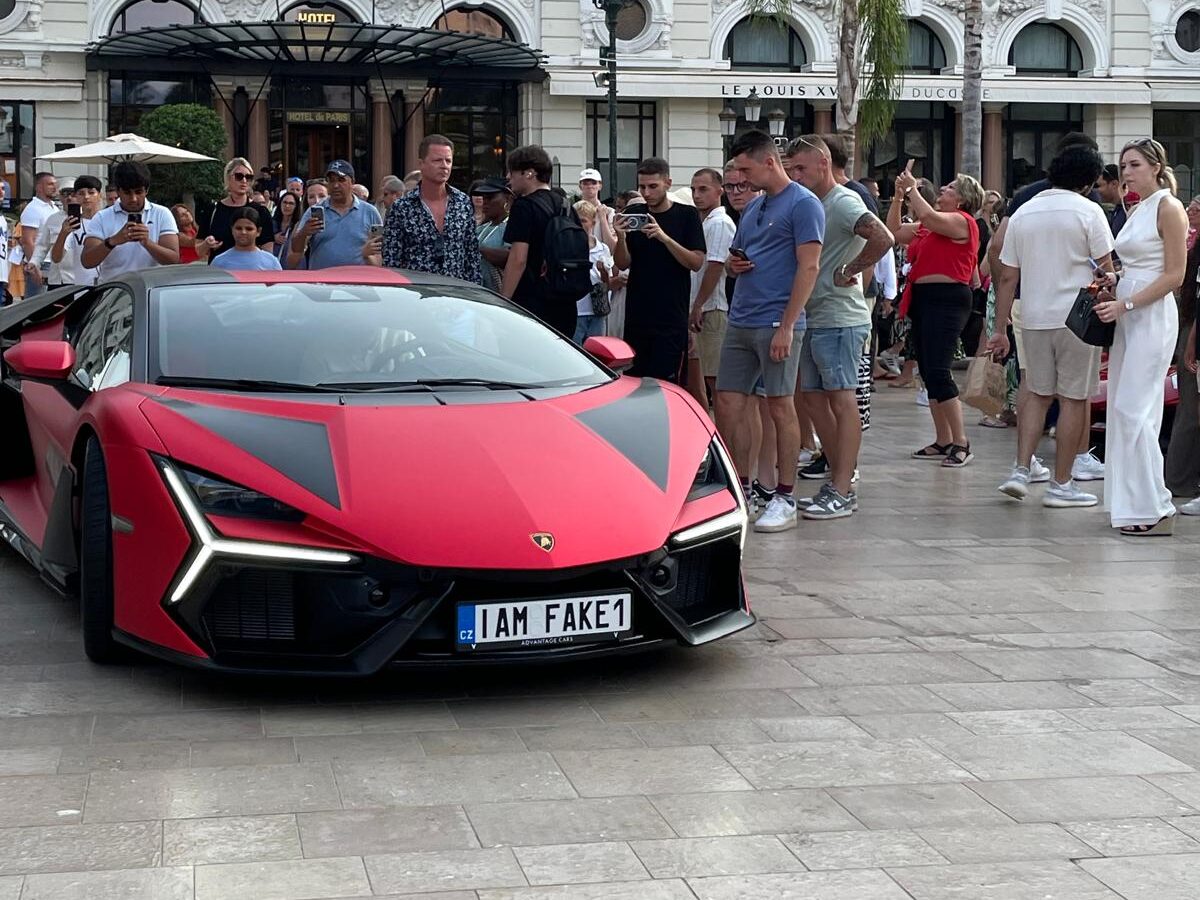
x=37 y=211
x=1050 y=239
x=598 y=254
x=718 y=238
x=56 y=273
x=128 y=257
x=3 y=249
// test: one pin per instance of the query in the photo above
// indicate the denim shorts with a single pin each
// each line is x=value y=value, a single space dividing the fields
x=829 y=358
x=746 y=362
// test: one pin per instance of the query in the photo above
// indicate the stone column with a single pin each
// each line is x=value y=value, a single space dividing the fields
x=822 y=117
x=414 y=130
x=258 y=137
x=993 y=147
x=958 y=138
x=382 y=132
x=222 y=98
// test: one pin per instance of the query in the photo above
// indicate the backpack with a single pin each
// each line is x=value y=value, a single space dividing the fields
x=566 y=254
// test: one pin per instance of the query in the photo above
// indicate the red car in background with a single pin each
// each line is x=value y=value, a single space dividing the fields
x=1100 y=408
x=341 y=470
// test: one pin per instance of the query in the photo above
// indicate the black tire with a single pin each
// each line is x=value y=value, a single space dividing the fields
x=95 y=560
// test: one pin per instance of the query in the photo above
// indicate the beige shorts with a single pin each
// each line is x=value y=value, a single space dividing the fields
x=1018 y=332
x=708 y=342
x=1059 y=364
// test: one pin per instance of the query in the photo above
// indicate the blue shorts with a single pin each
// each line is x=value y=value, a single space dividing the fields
x=829 y=357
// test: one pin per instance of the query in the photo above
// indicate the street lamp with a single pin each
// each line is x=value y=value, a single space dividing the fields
x=753 y=106
x=728 y=117
x=776 y=119
x=611 y=8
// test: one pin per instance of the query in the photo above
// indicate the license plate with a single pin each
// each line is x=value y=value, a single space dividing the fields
x=538 y=623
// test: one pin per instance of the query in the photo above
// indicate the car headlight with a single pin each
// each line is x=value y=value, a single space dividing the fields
x=223 y=498
x=710 y=476
x=716 y=472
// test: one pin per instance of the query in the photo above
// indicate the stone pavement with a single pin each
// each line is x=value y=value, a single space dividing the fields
x=949 y=697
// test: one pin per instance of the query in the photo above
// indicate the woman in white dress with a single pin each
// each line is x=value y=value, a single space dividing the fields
x=1153 y=250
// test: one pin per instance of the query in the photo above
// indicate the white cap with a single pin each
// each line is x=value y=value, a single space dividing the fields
x=590 y=175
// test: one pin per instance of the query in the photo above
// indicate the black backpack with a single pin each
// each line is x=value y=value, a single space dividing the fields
x=566 y=254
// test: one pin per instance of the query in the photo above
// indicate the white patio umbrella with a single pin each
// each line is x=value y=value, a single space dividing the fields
x=123 y=147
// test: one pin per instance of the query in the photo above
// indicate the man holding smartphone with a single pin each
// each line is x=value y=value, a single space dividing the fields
x=133 y=233
x=335 y=231
x=62 y=239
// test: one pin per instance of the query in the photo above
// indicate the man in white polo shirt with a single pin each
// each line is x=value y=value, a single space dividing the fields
x=33 y=219
x=133 y=233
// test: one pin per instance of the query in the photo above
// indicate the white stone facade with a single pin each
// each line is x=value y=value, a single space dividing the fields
x=1131 y=66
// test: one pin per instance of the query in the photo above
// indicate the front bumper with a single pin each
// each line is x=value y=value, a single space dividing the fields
x=258 y=616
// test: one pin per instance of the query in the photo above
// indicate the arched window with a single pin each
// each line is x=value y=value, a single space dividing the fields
x=925 y=50
x=755 y=44
x=474 y=20
x=154 y=14
x=1045 y=49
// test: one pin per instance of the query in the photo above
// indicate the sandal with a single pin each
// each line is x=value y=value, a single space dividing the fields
x=911 y=383
x=1163 y=527
x=958 y=456
x=932 y=451
x=993 y=422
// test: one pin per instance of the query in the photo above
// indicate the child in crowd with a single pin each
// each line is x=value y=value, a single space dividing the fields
x=244 y=255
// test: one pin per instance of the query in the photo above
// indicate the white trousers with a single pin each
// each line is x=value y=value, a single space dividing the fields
x=1134 y=490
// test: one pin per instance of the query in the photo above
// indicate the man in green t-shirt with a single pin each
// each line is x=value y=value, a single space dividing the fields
x=839 y=322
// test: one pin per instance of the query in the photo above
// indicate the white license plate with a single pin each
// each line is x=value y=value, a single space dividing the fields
x=535 y=623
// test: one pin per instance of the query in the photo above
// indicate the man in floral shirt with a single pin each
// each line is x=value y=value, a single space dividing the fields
x=432 y=227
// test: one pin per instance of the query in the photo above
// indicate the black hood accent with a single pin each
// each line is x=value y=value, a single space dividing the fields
x=638 y=427
x=299 y=450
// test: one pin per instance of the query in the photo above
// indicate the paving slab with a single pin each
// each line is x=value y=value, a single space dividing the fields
x=1069 y=799
x=174 y=883
x=1171 y=877
x=1135 y=837
x=842 y=764
x=436 y=870
x=696 y=857
x=580 y=863
x=869 y=885
x=862 y=849
x=753 y=812
x=916 y=805
x=578 y=821
x=1005 y=843
x=1029 y=880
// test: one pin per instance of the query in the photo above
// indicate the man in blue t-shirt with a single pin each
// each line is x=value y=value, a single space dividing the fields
x=775 y=256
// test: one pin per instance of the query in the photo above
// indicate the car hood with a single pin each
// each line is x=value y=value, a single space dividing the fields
x=460 y=480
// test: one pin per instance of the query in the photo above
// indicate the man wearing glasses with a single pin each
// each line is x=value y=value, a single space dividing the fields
x=336 y=231
x=776 y=257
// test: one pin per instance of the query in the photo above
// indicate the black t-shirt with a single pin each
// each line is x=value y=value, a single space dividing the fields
x=659 y=291
x=867 y=197
x=527 y=225
x=219 y=223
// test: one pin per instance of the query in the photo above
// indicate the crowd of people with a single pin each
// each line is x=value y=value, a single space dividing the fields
x=772 y=288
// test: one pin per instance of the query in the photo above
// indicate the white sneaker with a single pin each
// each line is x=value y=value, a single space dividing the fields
x=1017 y=485
x=806 y=457
x=854 y=477
x=1087 y=468
x=1061 y=496
x=889 y=361
x=1191 y=508
x=1038 y=473
x=780 y=515
x=922 y=397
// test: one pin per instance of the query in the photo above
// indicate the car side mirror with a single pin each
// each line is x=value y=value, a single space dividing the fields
x=52 y=360
x=612 y=352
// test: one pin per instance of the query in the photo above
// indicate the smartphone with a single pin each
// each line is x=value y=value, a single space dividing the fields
x=633 y=221
x=135 y=218
x=74 y=211
x=317 y=214
x=375 y=231
x=739 y=253
x=908 y=166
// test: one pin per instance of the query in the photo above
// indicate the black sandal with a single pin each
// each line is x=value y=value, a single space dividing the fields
x=1164 y=526
x=958 y=456
x=932 y=451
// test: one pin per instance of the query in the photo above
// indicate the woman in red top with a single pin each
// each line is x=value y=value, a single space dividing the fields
x=939 y=298
x=186 y=223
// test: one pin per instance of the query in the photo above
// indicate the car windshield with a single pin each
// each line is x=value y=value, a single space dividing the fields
x=358 y=337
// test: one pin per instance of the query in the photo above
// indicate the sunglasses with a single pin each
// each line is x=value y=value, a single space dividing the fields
x=242 y=176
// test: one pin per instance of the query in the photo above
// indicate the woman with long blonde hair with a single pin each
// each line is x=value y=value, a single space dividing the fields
x=1153 y=250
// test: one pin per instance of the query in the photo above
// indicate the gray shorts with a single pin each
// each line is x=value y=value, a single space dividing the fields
x=746 y=357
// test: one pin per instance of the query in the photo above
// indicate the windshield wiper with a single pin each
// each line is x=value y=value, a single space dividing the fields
x=245 y=384
x=427 y=384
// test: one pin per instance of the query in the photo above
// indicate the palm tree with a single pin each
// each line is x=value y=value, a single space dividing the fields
x=972 y=114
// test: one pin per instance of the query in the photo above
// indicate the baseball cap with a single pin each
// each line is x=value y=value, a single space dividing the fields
x=590 y=175
x=491 y=186
x=295 y=178
x=340 y=167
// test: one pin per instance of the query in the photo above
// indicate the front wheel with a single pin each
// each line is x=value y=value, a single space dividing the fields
x=95 y=560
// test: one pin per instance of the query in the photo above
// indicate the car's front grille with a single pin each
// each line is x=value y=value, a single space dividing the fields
x=254 y=605
x=707 y=581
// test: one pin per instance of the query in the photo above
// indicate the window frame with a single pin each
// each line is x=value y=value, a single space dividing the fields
x=1065 y=71
x=791 y=65
x=596 y=139
x=929 y=67
x=103 y=308
x=197 y=17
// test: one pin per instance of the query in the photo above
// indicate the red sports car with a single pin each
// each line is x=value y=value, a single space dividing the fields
x=1099 y=406
x=337 y=471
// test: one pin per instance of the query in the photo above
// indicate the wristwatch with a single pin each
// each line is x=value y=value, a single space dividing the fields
x=109 y=244
x=1128 y=306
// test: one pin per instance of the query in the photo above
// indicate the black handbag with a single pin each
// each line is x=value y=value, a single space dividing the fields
x=601 y=300
x=1086 y=325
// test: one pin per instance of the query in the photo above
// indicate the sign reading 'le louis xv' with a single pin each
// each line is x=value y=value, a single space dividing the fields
x=791 y=90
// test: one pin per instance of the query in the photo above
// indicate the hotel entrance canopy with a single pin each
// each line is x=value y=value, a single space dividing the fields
x=349 y=49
